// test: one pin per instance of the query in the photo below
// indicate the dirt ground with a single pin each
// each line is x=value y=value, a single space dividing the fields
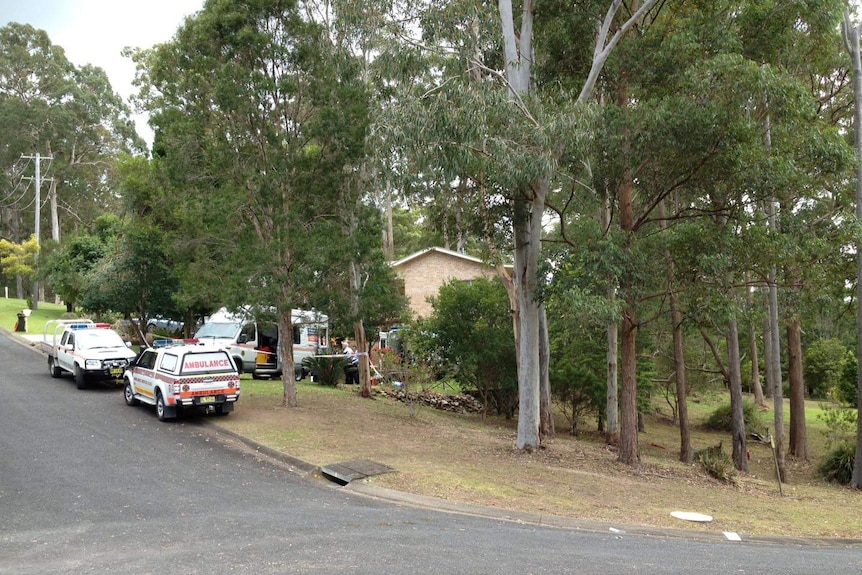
x=471 y=459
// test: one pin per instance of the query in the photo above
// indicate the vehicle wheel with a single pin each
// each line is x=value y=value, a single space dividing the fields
x=300 y=375
x=151 y=327
x=129 y=394
x=160 y=407
x=54 y=368
x=80 y=380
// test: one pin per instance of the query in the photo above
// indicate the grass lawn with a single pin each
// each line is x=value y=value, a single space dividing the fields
x=10 y=308
x=472 y=459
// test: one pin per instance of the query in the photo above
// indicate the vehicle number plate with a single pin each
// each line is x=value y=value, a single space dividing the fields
x=116 y=371
x=208 y=399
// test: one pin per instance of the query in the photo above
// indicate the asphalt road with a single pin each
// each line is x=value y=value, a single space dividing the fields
x=88 y=485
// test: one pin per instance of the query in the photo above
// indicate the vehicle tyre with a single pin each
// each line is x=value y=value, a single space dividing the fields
x=80 y=380
x=299 y=375
x=160 y=407
x=151 y=327
x=129 y=394
x=54 y=368
x=220 y=410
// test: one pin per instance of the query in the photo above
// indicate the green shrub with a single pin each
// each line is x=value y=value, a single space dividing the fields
x=468 y=337
x=840 y=424
x=838 y=464
x=722 y=418
x=846 y=389
x=326 y=370
x=824 y=366
x=718 y=464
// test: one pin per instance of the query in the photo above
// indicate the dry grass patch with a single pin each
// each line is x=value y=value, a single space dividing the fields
x=473 y=460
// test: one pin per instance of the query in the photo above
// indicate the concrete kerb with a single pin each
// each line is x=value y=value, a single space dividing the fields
x=298 y=466
x=294 y=464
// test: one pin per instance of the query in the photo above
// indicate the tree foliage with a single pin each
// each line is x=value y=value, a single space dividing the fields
x=18 y=258
x=469 y=336
x=260 y=122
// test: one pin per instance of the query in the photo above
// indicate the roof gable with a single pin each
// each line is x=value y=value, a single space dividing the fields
x=442 y=251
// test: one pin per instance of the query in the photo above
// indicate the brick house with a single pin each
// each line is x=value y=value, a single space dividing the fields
x=423 y=273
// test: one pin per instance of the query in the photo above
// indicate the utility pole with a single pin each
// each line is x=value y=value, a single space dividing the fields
x=37 y=224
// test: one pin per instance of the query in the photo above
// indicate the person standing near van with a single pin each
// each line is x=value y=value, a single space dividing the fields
x=351 y=372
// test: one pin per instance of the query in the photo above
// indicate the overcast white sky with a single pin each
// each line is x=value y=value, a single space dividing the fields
x=96 y=31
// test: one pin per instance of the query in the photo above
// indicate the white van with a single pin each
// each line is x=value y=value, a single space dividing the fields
x=253 y=345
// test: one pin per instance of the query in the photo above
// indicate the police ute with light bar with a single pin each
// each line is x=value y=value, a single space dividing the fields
x=89 y=351
x=182 y=377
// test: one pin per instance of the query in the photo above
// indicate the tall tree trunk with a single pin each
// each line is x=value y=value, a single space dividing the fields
x=527 y=212
x=528 y=229
x=767 y=350
x=612 y=409
x=740 y=456
x=775 y=348
x=518 y=55
x=359 y=326
x=629 y=452
x=389 y=233
x=288 y=366
x=756 y=387
x=851 y=38
x=546 y=412
x=55 y=217
x=628 y=445
x=775 y=373
x=685 y=452
x=798 y=432
x=364 y=364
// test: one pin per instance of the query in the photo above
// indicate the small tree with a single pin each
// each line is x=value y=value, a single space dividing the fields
x=578 y=374
x=825 y=366
x=469 y=335
x=18 y=259
x=66 y=267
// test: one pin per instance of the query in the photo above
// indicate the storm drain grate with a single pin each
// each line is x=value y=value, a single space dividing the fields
x=346 y=471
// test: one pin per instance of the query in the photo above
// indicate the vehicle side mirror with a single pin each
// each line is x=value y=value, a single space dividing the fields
x=242 y=338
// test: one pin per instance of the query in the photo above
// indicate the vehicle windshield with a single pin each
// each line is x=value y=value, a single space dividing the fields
x=225 y=330
x=98 y=338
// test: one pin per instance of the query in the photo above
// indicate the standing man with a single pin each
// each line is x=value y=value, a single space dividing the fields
x=351 y=372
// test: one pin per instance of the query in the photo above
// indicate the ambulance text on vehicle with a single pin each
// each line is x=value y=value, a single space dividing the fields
x=182 y=377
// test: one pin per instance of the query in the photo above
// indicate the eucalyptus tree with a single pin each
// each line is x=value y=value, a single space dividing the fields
x=260 y=117
x=68 y=116
x=65 y=266
x=808 y=194
x=681 y=119
x=484 y=117
x=851 y=32
x=34 y=81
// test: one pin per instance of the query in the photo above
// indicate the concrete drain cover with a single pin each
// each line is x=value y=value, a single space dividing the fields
x=346 y=471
